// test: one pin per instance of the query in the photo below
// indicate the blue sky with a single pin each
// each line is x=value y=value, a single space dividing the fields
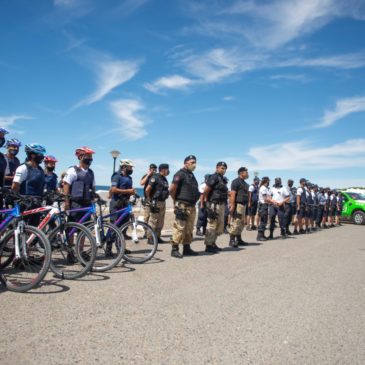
x=277 y=86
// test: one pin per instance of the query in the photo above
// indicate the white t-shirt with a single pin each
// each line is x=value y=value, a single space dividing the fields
x=264 y=192
x=71 y=175
x=21 y=174
x=279 y=194
x=299 y=191
x=202 y=187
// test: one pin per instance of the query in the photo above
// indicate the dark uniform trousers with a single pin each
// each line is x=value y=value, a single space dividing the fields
x=280 y=212
x=264 y=214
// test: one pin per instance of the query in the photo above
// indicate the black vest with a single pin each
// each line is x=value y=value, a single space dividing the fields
x=188 y=189
x=3 y=164
x=219 y=193
x=242 y=193
x=34 y=183
x=82 y=186
x=160 y=190
x=13 y=164
x=303 y=197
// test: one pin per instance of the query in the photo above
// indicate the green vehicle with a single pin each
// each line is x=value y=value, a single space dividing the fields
x=353 y=207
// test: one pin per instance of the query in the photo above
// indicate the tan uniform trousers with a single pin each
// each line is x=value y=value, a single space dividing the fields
x=183 y=229
x=238 y=221
x=215 y=227
x=146 y=213
x=157 y=220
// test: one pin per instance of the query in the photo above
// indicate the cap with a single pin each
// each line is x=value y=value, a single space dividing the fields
x=221 y=163
x=163 y=166
x=256 y=178
x=290 y=181
x=190 y=157
x=241 y=169
x=303 y=180
x=153 y=166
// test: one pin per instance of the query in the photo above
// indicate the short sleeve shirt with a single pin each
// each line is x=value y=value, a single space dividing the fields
x=71 y=175
x=21 y=174
x=264 y=193
x=236 y=184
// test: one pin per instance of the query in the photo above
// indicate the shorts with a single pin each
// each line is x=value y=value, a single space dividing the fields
x=301 y=212
x=253 y=209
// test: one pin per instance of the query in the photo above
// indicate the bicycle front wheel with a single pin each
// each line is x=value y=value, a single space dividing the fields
x=73 y=251
x=140 y=242
x=25 y=272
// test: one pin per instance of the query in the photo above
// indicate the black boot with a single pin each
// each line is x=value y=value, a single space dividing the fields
x=175 y=252
x=232 y=241
x=187 y=251
x=210 y=249
x=271 y=236
x=240 y=241
x=283 y=234
x=287 y=231
x=217 y=248
x=260 y=236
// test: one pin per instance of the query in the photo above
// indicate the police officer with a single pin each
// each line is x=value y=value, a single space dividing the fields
x=29 y=178
x=49 y=174
x=238 y=201
x=144 y=182
x=215 y=198
x=156 y=193
x=340 y=199
x=12 y=146
x=290 y=207
x=280 y=196
x=3 y=163
x=321 y=207
x=184 y=191
x=333 y=208
x=253 y=199
x=264 y=202
x=301 y=205
x=202 y=221
x=315 y=199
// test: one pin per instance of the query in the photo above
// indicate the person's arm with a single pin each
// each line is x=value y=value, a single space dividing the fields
x=206 y=193
x=173 y=191
x=298 y=200
x=20 y=176
x=148 y=191
x=249 y=198
x=232 y=201
x=115 y=190
x=66 y=191
x=145 y=178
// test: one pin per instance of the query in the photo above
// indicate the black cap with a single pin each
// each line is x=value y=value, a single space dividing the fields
x=256 y=178
x=277 y=180
x=221 y=163
x=241 y=169
x=153 y=166
x=163 y=166
x=303 y=180
x=190 y=157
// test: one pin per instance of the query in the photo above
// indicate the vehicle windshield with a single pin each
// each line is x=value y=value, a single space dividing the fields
x=356 y=196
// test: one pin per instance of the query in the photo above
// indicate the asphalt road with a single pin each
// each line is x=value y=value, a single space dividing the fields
x=294 y=301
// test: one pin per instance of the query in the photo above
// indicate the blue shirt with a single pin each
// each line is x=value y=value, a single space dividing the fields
x=121 y=182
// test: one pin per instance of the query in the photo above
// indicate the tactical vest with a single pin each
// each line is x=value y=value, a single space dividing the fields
x=309 y=198
x=13 y=164
x=334 y=201
x=81 y=188
x=160 y=191
x=50 y=182
x=303 y=197
x=34 y=183
x=242 y=193
x=219 y=193
x=3 y=165
x=255 y=194
x=188 y=189
x=315 y=199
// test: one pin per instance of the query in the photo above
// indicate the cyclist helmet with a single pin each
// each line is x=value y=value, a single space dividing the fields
x=4 y=131
x=126 y=163
x=35 y=148
x=83 y=151
x=13 y=142
x=50 y=158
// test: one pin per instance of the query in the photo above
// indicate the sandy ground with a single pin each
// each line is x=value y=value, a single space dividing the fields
x=294 y=301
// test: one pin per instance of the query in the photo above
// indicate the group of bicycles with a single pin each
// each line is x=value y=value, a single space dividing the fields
x=68 y=248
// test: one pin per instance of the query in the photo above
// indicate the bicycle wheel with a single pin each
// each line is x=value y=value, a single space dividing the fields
x=110 y=250
x=137 y=245
x=25 y=272
x=73 y=251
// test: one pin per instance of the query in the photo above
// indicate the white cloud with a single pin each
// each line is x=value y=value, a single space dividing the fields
x=175 y=82
x=343 y=108
x=131 y=123
x=301 y=155
x=110 y=74
x=290 y=77
x=8 y=121
x=228 y=98
x=130 y=6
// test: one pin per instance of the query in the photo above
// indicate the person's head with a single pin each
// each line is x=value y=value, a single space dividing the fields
x=85 y=155
x=126 y=167
x=315 y=188
x=309 y=185
x=2 y=136
x=290 y=183
x=302 y=182
x=265 y=181
x=256 y=181
x=12 y=146
x=243 y=173
x=164 y=169
x=153 y=168
x=190 y=163
x=277 y=183
x=35 y=152
x=221 y=168
x=50 y=163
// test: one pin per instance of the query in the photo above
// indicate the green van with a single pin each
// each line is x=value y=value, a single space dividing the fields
x=353 y=207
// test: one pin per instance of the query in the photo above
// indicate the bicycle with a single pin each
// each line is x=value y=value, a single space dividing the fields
x=137 y=235
x=25 y=252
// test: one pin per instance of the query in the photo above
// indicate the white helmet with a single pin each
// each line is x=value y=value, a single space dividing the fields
x=126 y=163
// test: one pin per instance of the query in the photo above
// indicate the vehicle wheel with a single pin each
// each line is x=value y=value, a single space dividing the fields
x=358 y=217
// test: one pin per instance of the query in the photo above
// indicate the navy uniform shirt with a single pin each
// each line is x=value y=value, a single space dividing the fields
x=121 y=182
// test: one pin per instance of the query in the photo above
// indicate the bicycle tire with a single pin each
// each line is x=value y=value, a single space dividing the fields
x=145 y=251
x=35 y=265
x=67 y=261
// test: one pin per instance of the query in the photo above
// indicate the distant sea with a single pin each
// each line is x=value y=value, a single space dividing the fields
x=106 y=188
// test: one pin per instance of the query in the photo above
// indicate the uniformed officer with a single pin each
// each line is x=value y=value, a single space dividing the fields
x=202 y=221
x=215 y=198
x=315 y=199
x=333 y=208
x=253 y=199
x=321 y=207
x=264 y=202
x=301 y=205
x=12 y=146
x=184 y=191
x=156 y=194
x=50 y=177
x=238 y=201
x=340 y=199
x=280 y=196
x=144 y=182
x=3 y=163
x=290 y=207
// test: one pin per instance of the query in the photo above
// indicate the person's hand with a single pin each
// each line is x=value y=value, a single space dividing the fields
x=67 y=205
x=231 y=210
x=132 y=191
